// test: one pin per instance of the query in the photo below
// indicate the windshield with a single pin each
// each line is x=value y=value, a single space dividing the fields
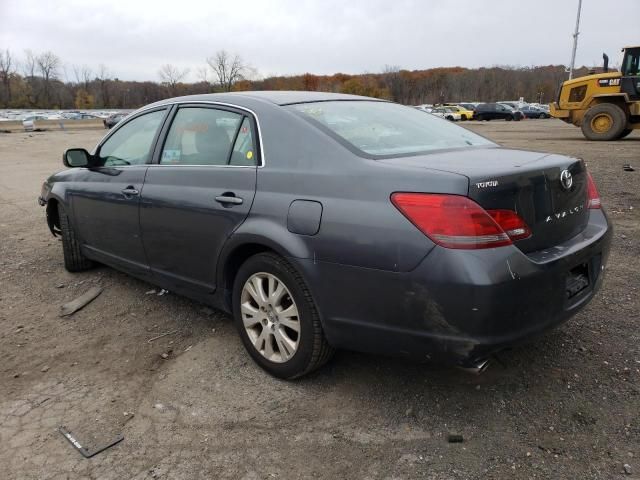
x=386 y=129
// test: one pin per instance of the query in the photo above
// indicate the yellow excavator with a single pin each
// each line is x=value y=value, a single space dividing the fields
x=606 y=106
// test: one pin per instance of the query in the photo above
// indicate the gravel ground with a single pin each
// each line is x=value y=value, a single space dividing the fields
x=566 y=406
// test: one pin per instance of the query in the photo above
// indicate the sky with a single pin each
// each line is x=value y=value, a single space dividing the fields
x=134 y=38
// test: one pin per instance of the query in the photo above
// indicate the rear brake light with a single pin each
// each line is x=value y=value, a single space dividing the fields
x=454 y=221
x=512 y=224
x=593 y=197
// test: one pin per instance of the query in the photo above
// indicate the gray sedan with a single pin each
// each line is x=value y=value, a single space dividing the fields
x=324 y=221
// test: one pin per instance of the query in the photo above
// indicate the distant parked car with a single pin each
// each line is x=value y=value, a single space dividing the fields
x=446 y=112
x=497 y=111
x=529 y=111
x=113 y=119
x=465 y=113
x=79 y=116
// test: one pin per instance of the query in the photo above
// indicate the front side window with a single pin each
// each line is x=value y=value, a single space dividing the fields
x=132 y=143
x=206 y=136
x=386 y=129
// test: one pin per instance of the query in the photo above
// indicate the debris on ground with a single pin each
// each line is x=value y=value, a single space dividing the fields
x=45 y=369
x=455 y=438
x=166 y=354
x=80 y=302
x=161 y=335
x=627 y=468
x=159 y=293
x=628 y=168
x=86 y=453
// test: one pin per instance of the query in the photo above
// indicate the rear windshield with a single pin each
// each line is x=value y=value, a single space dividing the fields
x=382 y=129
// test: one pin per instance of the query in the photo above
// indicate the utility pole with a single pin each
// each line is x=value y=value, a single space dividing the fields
x=575 y=41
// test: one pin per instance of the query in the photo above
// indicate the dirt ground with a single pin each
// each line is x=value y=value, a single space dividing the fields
x=566 y=406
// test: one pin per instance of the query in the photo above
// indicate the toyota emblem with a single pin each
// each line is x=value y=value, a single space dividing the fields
x=566 y=179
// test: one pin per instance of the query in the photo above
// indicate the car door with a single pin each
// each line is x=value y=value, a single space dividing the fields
x=198 y=191
x=106 y=197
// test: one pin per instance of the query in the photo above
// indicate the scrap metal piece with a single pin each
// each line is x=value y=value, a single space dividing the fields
x=161 y=336
x=75 y=305
x=84 y=451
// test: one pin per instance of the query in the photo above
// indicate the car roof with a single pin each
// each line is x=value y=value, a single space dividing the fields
x=279 y=97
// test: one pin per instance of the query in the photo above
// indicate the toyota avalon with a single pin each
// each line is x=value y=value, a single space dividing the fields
x=324 y=221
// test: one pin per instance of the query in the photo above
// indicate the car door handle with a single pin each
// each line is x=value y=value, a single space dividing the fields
x=228 y=199
x=130 y=191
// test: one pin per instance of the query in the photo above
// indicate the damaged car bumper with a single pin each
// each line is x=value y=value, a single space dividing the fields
x=459 y=307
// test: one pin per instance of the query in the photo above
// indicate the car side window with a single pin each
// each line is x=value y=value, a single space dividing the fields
x=132 y=143
x=201 y=136
x=243 y=150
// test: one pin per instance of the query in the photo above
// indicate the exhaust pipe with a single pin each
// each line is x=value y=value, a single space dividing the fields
x=605 y=59
x=476 y=368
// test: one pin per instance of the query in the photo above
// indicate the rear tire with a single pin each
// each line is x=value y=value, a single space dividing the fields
x=509 y=118
x=311 y=349
x=542 y=115
x=74 y=259
x=604 y=122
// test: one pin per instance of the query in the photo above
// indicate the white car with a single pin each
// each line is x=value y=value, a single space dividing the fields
x=446 y=112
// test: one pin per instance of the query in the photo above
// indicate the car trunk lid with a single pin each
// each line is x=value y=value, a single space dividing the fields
x=527 y=182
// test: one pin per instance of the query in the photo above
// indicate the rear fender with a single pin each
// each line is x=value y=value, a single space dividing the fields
x=260 y=234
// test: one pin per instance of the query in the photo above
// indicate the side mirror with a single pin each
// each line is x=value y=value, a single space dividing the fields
x=76 y=157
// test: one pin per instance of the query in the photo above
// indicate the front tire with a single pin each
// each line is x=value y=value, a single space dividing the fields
x=74 y=259
x=276 y=316
x=604 y=122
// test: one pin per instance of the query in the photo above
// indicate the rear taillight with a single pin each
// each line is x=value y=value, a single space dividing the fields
x=454 y=221
x=511 y=223
x=593 y=197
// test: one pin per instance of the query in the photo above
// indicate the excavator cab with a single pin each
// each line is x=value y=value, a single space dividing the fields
x=630 y=82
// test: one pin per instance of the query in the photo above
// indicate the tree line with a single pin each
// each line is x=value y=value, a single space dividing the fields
x=40 y=80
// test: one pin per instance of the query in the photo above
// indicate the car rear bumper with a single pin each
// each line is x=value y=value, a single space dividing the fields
x=459 y=306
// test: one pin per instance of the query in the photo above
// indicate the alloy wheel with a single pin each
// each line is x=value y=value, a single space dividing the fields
x=270 y=317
